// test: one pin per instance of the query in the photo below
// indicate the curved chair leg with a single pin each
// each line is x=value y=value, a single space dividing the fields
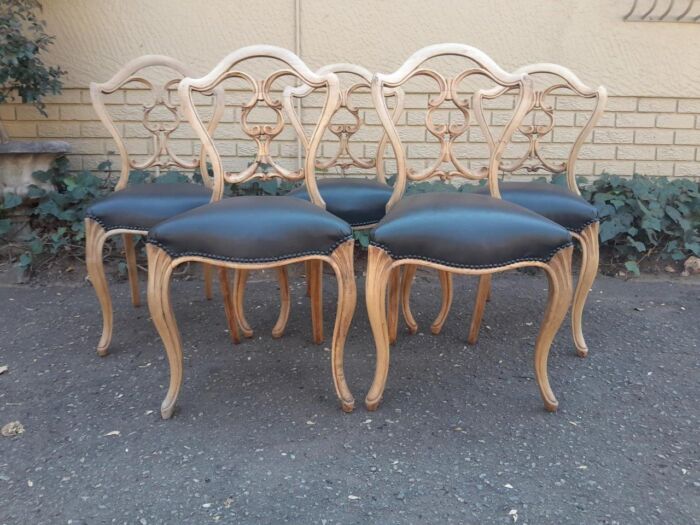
x=590 y=252
x=316 y=285
x=482 y=296
x=409 y=274
x=347 y=299
x=378 y=274
x=446 y=288
x=160 y=307
x=285 y=302
x=95 y=237
x=131 y=268
x=560 y=291
x=229 y=305
x=208 y=278
x=394 y=291
x=240 y=278
x=307 y=274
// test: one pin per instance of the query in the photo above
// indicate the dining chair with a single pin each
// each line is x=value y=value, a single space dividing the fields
x=460 y=232
x=358 y=190
x=131 y=210
x=562 y=204
x=254 y=232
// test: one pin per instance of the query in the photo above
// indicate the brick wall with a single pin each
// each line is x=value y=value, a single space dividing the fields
x=651 y=136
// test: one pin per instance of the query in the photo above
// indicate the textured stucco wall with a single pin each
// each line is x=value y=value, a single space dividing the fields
x=652 y=70
x=93 y=37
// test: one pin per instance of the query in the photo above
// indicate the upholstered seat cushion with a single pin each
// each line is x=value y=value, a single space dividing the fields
x=467 y=231
x=359 y=202
x=551 y=200
x=252 y=229
x=142 y=206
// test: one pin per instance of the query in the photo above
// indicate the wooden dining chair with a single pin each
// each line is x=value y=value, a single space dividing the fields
x=132 y=210
x=255 y=232
x=563 y=205
x=357 y=191
x=460 y=232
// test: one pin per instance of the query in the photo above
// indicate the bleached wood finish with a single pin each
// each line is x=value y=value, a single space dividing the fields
x=394 y=296
x=316 y=295
x=285 y=302
x=590 y=252
x=131 y=268
x=482 y=294
x=445 y=304
x=533 y=161
x=480 y=64
x=381 y=265
x=162 y=157
x=409 y=274
x=229 y=305
x=341 y=260
x=160 y=268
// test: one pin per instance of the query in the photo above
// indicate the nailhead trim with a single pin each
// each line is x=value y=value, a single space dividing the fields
x=247 y=260
x=584 y=226
x=472 y=266
x=108 y=227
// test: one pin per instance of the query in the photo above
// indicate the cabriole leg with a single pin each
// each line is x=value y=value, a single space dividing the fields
x=95 y=237
x=590 y=253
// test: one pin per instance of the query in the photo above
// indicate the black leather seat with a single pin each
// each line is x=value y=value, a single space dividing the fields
x=142 y=206
x=359 y=202
x=467 y=231
x=555 y=202
x=252 y=229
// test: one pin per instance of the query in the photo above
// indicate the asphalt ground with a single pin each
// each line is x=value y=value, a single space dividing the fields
x=460 y=437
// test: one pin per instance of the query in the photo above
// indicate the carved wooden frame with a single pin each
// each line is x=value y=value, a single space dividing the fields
x=344 y=132
x=587 y=238
x=383 y=269
x=161 y=263
x=95 y=234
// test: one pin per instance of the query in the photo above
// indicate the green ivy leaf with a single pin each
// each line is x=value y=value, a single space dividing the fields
x=5 y=226
x=632 y=267
x=11 y=200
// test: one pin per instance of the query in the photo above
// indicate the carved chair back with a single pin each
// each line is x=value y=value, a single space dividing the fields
x=448 y=91
x=344 y=158
x=161 y=93
x=551 y=80
x=265 y=94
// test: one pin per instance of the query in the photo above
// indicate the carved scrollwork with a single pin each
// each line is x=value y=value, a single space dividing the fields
x=162 y=156
x=343 y=157
x=533 y=159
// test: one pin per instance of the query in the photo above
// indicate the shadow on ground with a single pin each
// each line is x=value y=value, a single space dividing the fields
x=461 y=436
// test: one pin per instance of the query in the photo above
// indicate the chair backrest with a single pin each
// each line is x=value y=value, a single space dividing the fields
x=162 y=156
x=550 y=80
x=479 y=64
x=343 y=158
x=263 y=94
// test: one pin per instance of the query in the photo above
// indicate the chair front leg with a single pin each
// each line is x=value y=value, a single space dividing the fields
x=590 y=253
x=394 y=293
x=95 y=237
x=208 y=281
x=229 y=305
x=160 y=307
x=131 y=268
x=446 y=289
x=285 y=302
x=379 y=265
x=240 y=279
x=560 y=292
x=342 y=263
x=409 y=274
x=482 y=296
x=316 y=290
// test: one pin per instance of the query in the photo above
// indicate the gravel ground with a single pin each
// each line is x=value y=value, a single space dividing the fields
x=461 y=436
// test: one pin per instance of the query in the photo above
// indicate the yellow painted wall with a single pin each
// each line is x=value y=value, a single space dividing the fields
x=652 y=70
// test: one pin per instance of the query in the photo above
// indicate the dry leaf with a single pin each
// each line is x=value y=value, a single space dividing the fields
x=3 y=369
x=14 y=428
x=113 y=433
